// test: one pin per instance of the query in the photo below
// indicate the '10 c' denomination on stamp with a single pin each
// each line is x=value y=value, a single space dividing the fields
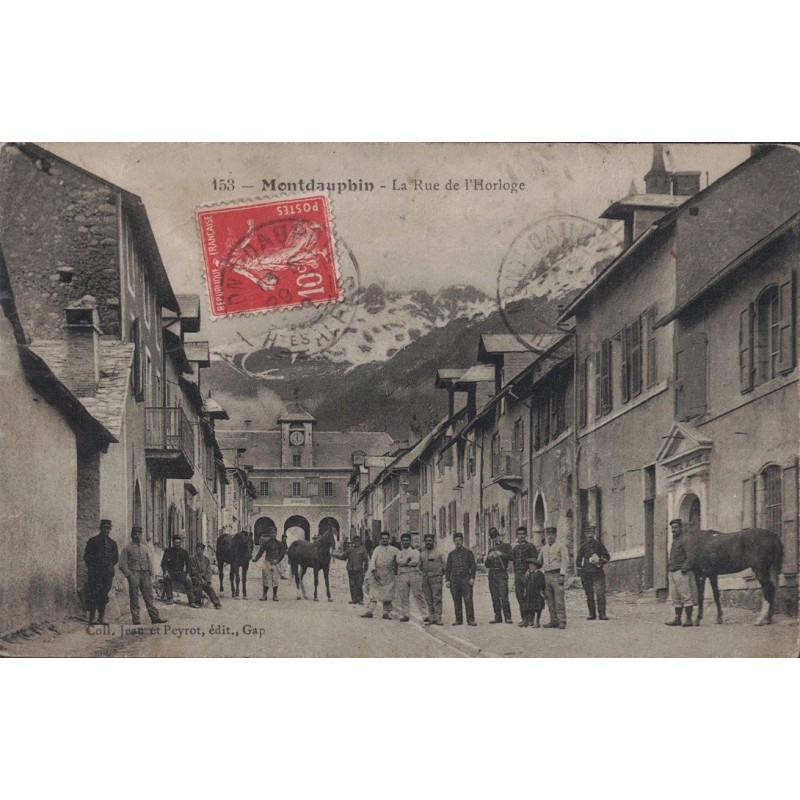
x=269 y=254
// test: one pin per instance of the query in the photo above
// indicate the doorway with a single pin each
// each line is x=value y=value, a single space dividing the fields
x=690 y=512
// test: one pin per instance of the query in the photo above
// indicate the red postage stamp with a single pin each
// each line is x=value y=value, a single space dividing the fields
x=269 y=254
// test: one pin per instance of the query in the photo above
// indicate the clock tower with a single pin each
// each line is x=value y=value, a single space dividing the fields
x=297 y=437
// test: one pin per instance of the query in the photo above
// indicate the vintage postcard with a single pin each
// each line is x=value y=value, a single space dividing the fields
x=399 y=400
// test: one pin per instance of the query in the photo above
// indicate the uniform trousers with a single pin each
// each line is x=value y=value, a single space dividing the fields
x=519 y=591
x=199 y=587
x=498 y=588
x=356 y=578
x=409 y=583
x=140 y=581
x=180 y=579
x=595 y=582
x=432 y=591
x=461 y=590
x=98 y=585
x=556 y=601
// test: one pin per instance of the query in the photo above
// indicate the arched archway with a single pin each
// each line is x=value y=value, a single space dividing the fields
x=297 y=527
x=329 y=522
x=690 y=512
x=263 y=524
x=137 y=504
x=539 y=517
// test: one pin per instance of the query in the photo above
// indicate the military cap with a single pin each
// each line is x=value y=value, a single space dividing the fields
x=533 y=560
x=589 y=528
x=458 y=535
x=551 y=530
x=136 y=529
x=177 y=538
x=676 y=521
x=104 y=522
x=405 y=535
x=493 y=533
x=200 y=544
x=428 y=536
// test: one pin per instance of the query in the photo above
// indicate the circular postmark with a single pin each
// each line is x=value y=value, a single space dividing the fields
x=550 y=260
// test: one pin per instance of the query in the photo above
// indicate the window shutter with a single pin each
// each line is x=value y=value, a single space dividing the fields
x=537 y=431
x=607 y=398
x=598 y=385
x=789 y=500
x=582 y=370
x=626 y=363
x=695 y=380
x=652 y=364
x=786 y=324
x=746 y=349
x=635 y=356
x=680 y=412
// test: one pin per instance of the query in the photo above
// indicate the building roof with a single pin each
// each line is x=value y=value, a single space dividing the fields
x=214 y=409
x=137 y=213
x=107 y=405
x=332 y=449
x=190 y=312
x=492 y=346
x=296 y=413
x=173 y=346
x=477 y=374
x=625 y=207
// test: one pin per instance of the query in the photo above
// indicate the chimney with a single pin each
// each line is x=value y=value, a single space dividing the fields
x=658 y=180
x=82 y=327
x=685 y=184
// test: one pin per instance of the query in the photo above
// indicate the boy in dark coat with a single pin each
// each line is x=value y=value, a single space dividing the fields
x=533 y=592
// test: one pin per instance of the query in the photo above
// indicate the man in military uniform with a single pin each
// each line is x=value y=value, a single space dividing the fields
x=137 y=566
x=523 y=550
x=682 y=584
x=459 y=576
x=497 y=560
x=592 y=556
x=200 y=573
x=357 y=562
x=273 y=552
x=431 y=567
x=175 y=567
x=409 y=579
x=100 y=556
x=555 y=563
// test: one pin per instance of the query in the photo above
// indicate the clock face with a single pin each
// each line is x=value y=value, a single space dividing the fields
x=297 y=438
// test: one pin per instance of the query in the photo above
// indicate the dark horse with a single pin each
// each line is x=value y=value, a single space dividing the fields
x=314 y=555
x=236 y=550
x=713 y=553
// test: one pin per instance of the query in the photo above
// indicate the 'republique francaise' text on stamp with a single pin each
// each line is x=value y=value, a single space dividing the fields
x=269 y=254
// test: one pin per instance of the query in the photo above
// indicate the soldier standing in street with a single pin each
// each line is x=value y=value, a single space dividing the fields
x=523 y=550
x=555 y=562
x=382 y=573
x=409 y=579
x=682 y=585
x=589 y=562
x=273 y=552
x=137 y=566
x=459 y=576
x=200 y=572
x=175 y=566
x=497 y=560
x=432 y=566
x=100 y=556
x=357 y=562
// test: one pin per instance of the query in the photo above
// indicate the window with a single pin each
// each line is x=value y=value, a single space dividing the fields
x=297 y=488
x=652 y=356
x=767 y=335
x=328 y=489
x=137 y=373
x=772 y=507
x=519 y=435
x=619 y=537
x=631 y=367
x=263 y=489
x=583 y=374
x=442 y=522
x=297 y=459
x=602 y=377
x=472 y=458
x=495 y=452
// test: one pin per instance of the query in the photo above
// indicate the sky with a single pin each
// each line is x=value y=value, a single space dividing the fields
x=421 y=237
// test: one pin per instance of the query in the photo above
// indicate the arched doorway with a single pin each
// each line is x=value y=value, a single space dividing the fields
x=690 y=512
x=263 y=524
x=539 y=515
x=329 y=522
x=297 y=527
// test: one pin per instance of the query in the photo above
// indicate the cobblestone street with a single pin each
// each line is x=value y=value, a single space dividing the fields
x=291 y=628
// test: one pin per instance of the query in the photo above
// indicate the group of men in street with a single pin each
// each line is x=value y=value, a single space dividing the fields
x=391 y=574
x=102 y=556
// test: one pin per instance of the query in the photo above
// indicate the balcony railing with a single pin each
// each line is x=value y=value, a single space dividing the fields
x=507 y=469
x=169 y=441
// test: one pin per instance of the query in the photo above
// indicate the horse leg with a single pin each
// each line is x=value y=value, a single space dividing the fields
x=701 y=590
x=316 y=583
x=768 y=589
x=232 y=576
x=245 y=567
x=715 y=590
x=327 y=584
x=302 y=585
